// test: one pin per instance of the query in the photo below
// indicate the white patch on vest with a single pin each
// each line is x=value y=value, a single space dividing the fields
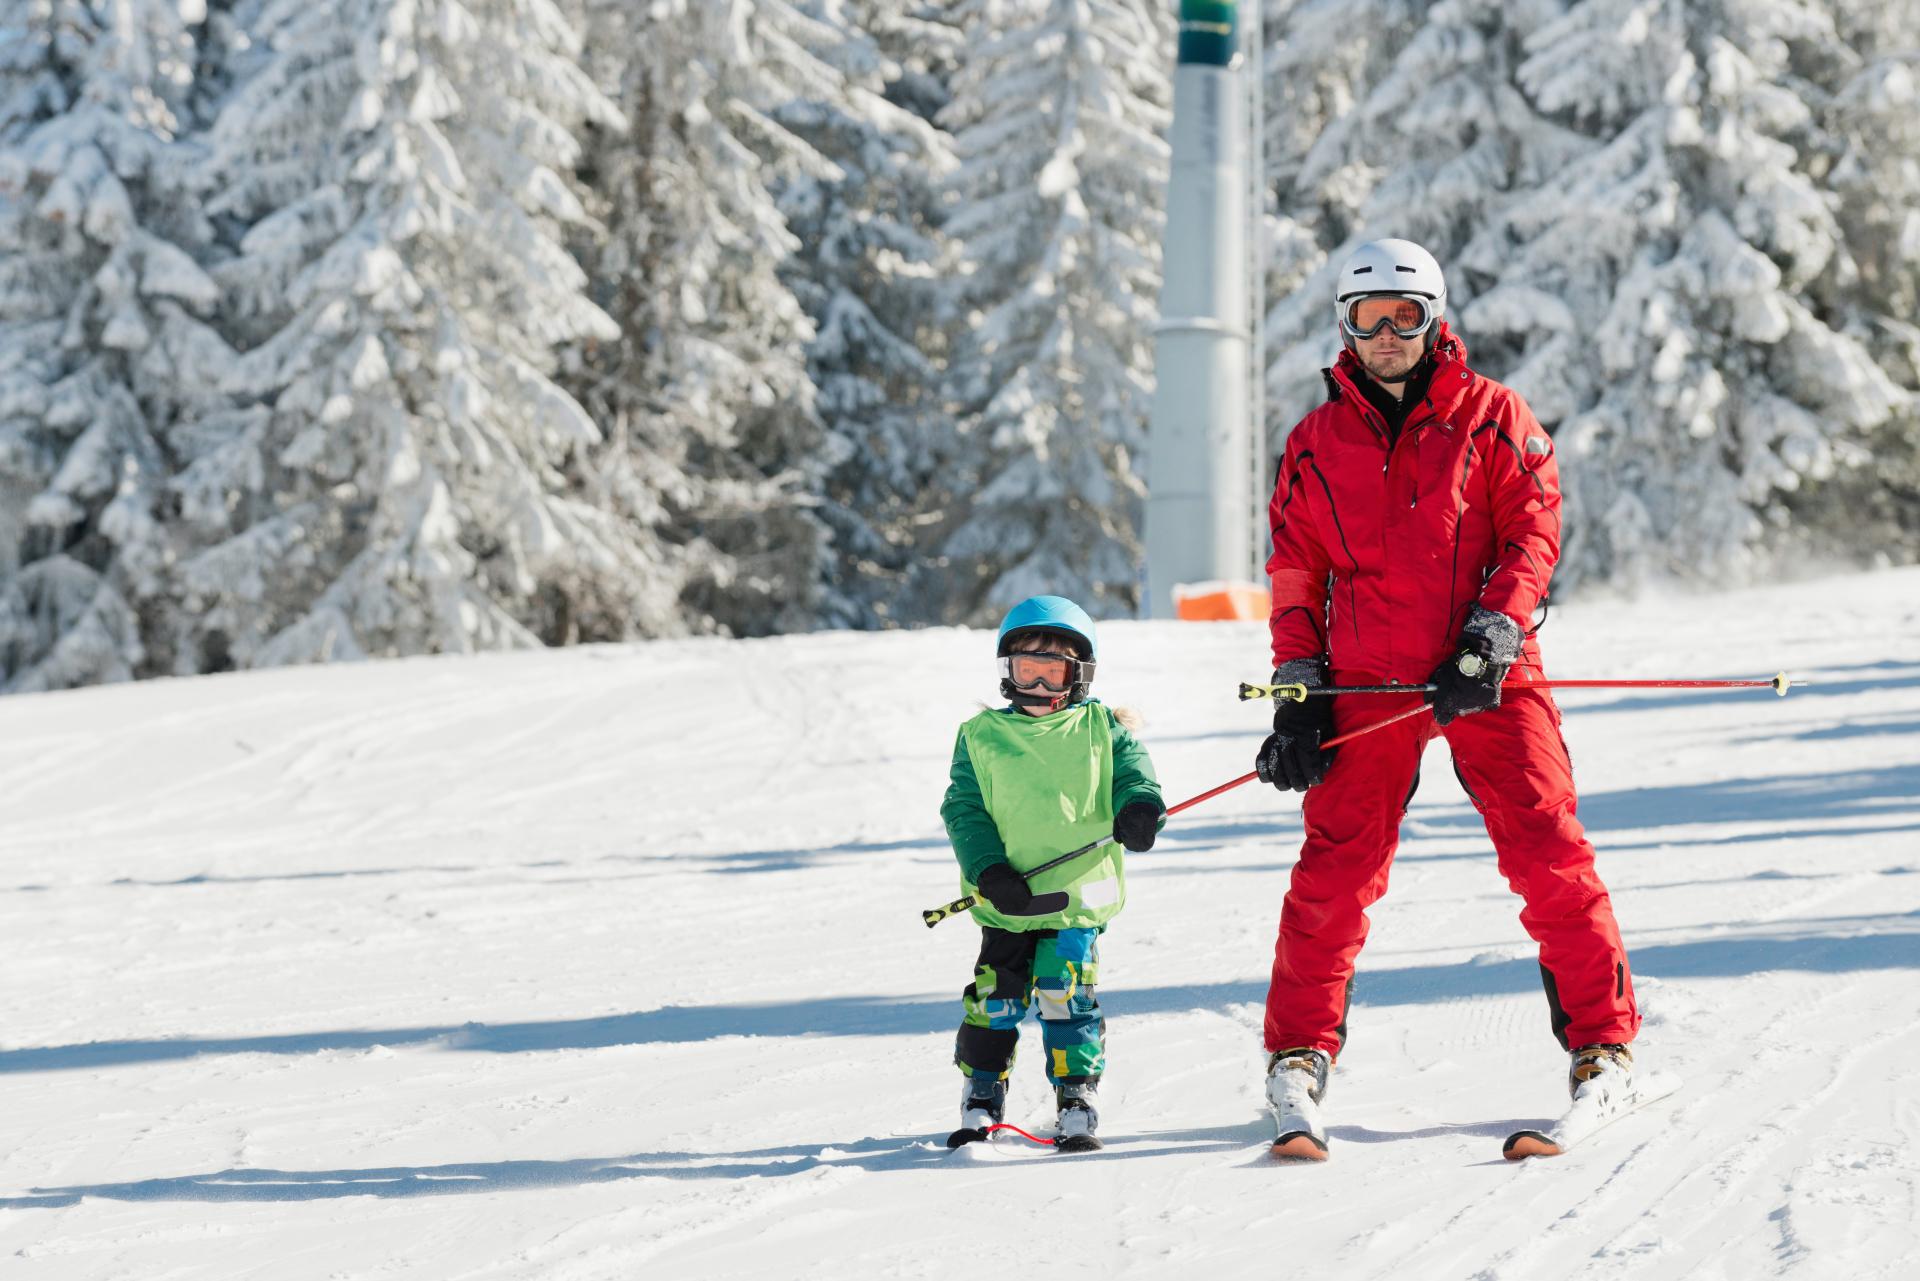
x=1100 y=893
x=1537 y=445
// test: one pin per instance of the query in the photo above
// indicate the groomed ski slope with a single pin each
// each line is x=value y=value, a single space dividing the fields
x=607 y=963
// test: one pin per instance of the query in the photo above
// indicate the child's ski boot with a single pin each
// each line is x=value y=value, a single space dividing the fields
x=1078 y=1119
x=983 y=1102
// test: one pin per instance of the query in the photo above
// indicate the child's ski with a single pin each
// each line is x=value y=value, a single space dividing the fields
x=966 y=1134
x=1592 y=1109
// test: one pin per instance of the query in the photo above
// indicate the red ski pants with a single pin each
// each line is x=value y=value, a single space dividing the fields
x=1514 y=765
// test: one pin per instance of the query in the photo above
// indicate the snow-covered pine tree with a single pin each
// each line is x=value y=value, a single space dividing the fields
x=1059 y=110
x=1876 y=115
x=101 y=345
x=1680 y=293
x=716 y=445
x=1874 y=120
x=1415 y=131
x=396 y=177
x=869 y=273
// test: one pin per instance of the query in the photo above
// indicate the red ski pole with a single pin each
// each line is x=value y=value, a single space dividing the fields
x=1300 y=693
x=1779 y=684
x=934 y=915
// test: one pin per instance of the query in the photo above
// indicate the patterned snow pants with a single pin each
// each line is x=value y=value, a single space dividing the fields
x=1055 y=971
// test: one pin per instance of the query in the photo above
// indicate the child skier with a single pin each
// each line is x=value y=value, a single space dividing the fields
x=1049 y=773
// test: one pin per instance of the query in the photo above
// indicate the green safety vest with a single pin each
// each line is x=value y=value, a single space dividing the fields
x=1047 y=783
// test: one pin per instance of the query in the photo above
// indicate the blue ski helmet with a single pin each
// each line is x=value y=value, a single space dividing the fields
x=1052 y=616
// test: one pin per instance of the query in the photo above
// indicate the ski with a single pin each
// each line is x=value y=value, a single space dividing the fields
x=1078 y=1143
x=1599 y=1104
x=1302 y=1137
x=1300 y=1132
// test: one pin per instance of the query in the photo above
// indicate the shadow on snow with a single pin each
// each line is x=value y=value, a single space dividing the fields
x=465 y=1179
x=1826 y=946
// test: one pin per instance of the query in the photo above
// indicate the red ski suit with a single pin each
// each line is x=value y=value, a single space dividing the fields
x=1380 y=551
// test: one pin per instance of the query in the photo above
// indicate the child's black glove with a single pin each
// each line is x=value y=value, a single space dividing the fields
x=1007 y=890
x=1137 y=823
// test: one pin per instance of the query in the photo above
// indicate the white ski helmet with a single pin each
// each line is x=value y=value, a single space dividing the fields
x=1390 y=267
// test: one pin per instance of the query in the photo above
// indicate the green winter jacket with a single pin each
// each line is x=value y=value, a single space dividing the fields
x=1025 y=789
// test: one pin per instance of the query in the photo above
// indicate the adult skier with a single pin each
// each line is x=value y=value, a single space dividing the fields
x=1416 y=522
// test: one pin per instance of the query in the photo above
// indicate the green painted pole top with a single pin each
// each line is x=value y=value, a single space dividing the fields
x=1208 y=32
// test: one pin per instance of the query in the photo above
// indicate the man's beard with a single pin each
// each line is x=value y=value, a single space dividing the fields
x=1373 y=371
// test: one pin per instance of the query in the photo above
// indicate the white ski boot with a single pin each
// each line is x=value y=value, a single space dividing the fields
x=1604 y=1068
x=1605 y=1088
x=1078 y=1119
x=982 y=1103
x=1296 y=1082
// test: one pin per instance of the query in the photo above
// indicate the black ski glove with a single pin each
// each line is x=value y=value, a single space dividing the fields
x=1290 y=758
x=1007 y=890
x=1137 y=823
x=1469 y=681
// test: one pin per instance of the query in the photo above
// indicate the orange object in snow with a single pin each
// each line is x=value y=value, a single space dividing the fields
x=1218 y=602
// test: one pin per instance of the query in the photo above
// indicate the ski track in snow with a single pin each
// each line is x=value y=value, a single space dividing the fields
x=606 y=963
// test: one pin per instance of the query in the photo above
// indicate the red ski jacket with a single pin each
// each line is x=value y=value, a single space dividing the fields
x=1380 y=553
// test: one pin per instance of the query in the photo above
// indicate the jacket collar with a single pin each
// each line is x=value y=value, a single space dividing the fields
x=1449 y=383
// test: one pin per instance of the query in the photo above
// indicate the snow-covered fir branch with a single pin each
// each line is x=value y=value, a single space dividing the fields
x=1059 y=114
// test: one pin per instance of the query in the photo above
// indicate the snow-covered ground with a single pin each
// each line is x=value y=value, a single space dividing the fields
x=607 y=963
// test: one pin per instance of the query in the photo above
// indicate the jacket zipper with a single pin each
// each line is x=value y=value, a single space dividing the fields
x=1406 y=431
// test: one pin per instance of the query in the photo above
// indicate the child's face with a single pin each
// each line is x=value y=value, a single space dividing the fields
x=1052 y=663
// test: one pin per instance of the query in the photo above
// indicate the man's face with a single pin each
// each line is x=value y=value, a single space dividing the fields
x=1387 y=357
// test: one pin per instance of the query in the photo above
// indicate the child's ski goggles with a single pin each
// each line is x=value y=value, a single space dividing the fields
x=1057 y=673
x=1408 y=315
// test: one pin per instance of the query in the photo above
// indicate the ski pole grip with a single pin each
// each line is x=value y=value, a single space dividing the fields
x=1278 y=693
x=934 y=915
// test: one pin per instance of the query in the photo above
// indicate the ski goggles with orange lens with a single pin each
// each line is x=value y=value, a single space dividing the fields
x=1056 y=672
x=1408 y=315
